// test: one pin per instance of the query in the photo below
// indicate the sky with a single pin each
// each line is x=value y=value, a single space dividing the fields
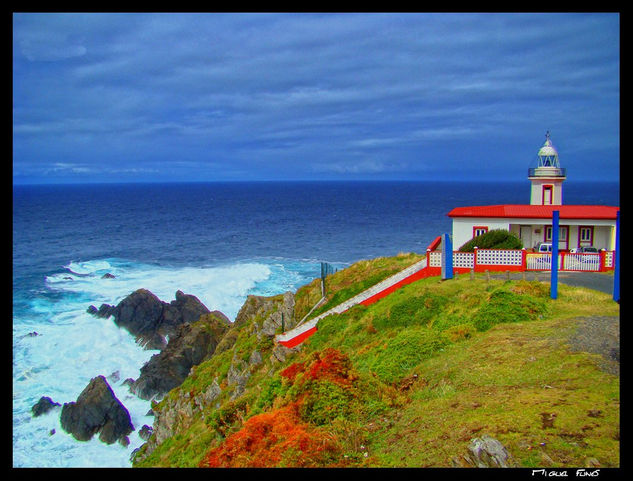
x=142 y=97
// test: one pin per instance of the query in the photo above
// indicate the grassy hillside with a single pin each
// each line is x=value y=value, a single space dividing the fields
x=408 y=381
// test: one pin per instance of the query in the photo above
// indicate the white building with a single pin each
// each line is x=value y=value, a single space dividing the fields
x=580 y=225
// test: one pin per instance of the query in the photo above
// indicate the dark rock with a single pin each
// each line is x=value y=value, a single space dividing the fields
x=104 y=311
x=97 y=410
x=128 y=381
x=151 y=320
x=189 y=307
x=133 y=455
x=187 y=347
x=107 y=275
x=145 y=432
x=44 y=405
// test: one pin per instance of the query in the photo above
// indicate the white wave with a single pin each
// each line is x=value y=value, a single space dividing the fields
x=88 y=267
x=222 y=288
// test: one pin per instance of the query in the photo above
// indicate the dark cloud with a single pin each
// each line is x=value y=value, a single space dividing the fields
x=299 y=96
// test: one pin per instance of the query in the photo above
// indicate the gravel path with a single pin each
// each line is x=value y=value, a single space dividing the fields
x=595 y=334
x=599 y=335
x=592 y=280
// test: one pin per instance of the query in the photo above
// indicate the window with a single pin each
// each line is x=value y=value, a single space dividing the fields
x=479 y=229
x=563 y=230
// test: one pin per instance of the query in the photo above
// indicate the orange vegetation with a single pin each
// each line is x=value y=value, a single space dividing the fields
x=274 y=439
x=281 y=437
x=329 y=364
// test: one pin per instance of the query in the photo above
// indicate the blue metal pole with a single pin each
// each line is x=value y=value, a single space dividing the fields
x=447 y=257
x=616 y=272
x=554 y=268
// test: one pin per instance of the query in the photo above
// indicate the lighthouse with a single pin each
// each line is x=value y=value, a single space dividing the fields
x=548 y=176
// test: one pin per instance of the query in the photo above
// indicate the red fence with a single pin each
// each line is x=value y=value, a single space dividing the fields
x=482 y=260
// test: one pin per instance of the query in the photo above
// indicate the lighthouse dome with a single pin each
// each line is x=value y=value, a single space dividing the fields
x=548 y=150
x=548 y=155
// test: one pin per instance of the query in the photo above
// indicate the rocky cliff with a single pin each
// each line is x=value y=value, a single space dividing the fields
x=226 y=374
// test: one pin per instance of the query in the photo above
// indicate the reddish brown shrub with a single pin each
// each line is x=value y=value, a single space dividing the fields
x=274 y=439
x=291 y=371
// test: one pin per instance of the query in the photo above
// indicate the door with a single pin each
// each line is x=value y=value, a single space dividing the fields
x=525 y=234
x=585 y=236
x=563 y=236
x=548 y=195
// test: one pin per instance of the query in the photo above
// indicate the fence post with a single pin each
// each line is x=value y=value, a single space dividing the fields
x=616 y=272
x=554 y=267
x=447 y=257
x=475 y=258
x=523 y=259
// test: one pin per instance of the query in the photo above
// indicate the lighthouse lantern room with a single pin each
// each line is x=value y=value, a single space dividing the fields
x=547 y=178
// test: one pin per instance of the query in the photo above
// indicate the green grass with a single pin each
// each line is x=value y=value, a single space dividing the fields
x=435 y=364
x=346 y=283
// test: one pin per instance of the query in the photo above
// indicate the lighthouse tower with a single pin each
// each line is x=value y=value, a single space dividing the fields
x=547 y=178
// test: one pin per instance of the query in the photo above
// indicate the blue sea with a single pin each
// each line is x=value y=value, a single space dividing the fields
x=217 y=241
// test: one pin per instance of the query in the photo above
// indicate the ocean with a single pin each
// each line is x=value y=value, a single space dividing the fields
x=217 y=241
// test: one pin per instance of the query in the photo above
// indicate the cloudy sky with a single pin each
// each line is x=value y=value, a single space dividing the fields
x=266 y=96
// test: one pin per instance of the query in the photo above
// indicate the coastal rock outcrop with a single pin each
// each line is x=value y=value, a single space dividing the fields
x=97 y=410
x=44 y=405
x=151 y=320
x=189 y=345
x=275 y=312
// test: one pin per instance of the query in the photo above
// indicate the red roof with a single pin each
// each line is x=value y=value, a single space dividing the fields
x=537 y=211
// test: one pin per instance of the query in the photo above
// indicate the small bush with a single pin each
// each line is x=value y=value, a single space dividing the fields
x=493 y=239
x=325 y=402
x=460 y=332
x=408 y=348
x=272 y=388
x=413 y=311
x=504 y=306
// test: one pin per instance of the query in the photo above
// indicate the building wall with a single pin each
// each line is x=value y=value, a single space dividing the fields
x=603 y=232
x=536 y=192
